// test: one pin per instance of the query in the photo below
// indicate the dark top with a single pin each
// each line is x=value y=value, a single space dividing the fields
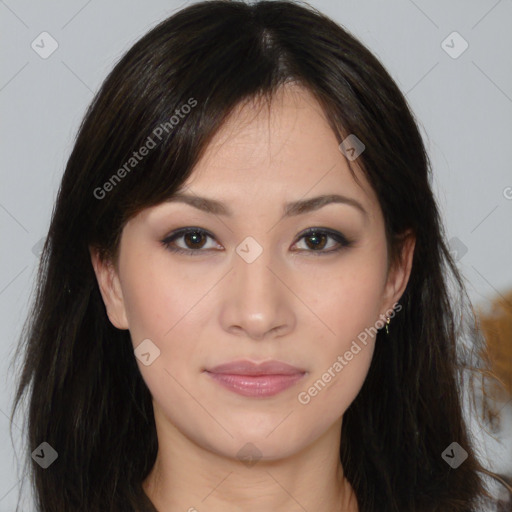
x=144 y=504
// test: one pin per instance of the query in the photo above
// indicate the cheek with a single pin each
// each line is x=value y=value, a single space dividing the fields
x=346 y=300
x=348 y=306
x=157 y=299
x=330 y=393
x=339 y=372
x=165 y=307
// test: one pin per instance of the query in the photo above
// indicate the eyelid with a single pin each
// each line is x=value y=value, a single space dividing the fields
x=342 y=241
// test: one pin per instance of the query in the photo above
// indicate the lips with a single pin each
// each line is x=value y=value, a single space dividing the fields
x=250 y=368
x=256 y=380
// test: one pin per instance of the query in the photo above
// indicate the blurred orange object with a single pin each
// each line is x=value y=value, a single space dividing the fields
x=496 y=327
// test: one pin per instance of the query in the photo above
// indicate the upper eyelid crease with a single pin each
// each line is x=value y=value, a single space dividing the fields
x=290 y=209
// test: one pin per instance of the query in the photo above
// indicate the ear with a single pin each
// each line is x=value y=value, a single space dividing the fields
x=110 y=288
x=398 y=275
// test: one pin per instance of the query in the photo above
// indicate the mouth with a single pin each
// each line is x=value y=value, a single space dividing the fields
x=256 y=380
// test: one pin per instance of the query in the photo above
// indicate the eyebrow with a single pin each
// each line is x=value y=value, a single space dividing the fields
x=300 y=207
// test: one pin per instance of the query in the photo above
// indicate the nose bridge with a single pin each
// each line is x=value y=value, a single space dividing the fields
x=254 y=280
x=257 y=298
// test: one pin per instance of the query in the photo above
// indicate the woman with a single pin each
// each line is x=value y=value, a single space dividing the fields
x=187 y=349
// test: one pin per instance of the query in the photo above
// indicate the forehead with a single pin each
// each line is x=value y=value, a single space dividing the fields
x=285 y=147
x=286 y=134
x=266 y=155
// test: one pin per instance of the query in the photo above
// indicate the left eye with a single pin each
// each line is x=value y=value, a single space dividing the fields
x=194 y=240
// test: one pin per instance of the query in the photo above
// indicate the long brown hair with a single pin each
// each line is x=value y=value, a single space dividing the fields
x=87 y=398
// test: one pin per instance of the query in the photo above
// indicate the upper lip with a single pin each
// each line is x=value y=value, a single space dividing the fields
x=244 y=367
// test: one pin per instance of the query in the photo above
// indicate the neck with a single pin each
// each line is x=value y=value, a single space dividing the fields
x=188 y=477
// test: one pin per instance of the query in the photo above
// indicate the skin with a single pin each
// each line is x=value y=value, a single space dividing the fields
x=291 y=304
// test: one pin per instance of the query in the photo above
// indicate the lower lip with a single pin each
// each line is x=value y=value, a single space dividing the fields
x=256 y=385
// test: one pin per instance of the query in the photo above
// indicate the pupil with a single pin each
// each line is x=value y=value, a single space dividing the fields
x=195 y=236
x=317 y=238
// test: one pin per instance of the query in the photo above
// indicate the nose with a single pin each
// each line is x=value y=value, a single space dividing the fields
x=258 y=303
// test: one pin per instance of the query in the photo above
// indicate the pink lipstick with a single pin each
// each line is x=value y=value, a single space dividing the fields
x=256 y=380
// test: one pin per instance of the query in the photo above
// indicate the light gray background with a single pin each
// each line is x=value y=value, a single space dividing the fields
x=464 y=106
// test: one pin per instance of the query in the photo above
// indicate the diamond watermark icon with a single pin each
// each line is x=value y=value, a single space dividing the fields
x=249 y=454
x=457 y=248
x=146 y=352
x=352 y=147
x=44 y=455
x=249 y=249
x=37 y=248
x=454 y=45
x=454 y=455
x=44 y=45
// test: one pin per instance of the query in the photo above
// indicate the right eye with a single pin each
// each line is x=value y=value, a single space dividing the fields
x=193 y=237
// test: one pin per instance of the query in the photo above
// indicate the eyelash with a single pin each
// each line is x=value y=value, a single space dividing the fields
x=338 y=237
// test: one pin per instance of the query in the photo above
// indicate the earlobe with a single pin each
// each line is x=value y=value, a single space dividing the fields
x=110 y=289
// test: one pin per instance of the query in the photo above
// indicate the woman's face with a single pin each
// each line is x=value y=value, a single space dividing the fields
x=253 y=287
